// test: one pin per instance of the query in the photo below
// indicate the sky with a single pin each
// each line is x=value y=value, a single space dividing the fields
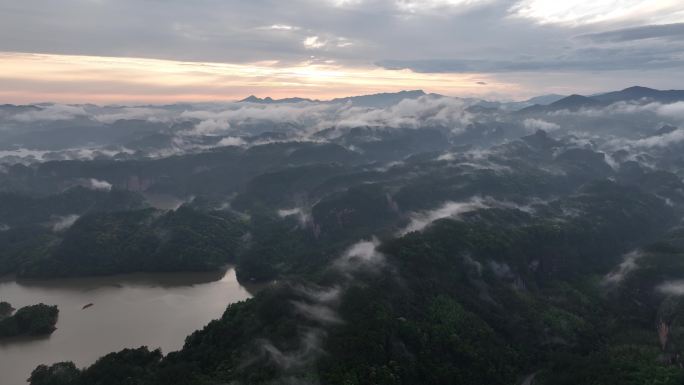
x=162 y=51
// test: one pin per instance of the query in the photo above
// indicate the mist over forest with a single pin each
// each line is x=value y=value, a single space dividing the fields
x=397 y=238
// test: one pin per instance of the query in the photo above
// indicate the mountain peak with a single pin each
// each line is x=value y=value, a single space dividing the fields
x=382 y=99
x=251 y=99
x=638 y=89
x=270 y=100
x=638 y=92
x=574 y=101
x=373 y=100
x=545 y=100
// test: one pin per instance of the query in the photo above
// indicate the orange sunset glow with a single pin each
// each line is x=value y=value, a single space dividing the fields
x=75 y=79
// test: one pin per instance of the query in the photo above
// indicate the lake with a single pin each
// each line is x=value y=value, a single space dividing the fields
x=156 y=310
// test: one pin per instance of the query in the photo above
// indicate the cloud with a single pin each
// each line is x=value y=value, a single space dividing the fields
x=675 y=288
x=473 y=156
x=421 y=220
x=345 y=3
x=621 y=124
x=501 y=270
x=298 y=113
x=317 y=294
x=320 y=313
x=329 y=41
x=283 y=27
x=312 y=117
x=64 y=223
x=96 y=184
x=619 y=108
x=320 y=306
x=410 y=113
x=362 y=255
x=302 y=215
x=539 y=124
x=426 y=36
x=309 y=349
x=287 y=212
x=231 y=141
x=209 y=127
x=24 y=155
x=578 y=12
x=676 y=136
x=426 y=6
x=628 y=264
x=314 y=42
x=667 y=31
x=127 y=80
x=585 y=59
x=674 y=110
x=179 y=125
x=52 y=112
x=129 y=113
x=343 y=42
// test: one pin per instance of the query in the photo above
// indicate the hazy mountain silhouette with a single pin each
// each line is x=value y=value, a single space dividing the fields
x=638 y=93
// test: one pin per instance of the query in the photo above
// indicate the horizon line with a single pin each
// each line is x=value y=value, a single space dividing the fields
x=284 y=100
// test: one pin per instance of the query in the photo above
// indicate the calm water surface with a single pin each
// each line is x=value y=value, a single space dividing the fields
x=157 y=310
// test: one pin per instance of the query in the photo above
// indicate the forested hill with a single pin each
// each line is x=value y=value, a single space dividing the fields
x=536 y=259
x=431 y=241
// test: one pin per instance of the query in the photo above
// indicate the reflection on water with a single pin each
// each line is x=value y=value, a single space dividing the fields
x=157 y=310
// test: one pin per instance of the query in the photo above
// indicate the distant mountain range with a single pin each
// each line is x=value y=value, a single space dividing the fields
x=551 y=102
x=537 y=104
x=639 y=93
x=631 y=94
x=545 y=99
x=373 y=100
x=387 y=99
x=269 y=100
